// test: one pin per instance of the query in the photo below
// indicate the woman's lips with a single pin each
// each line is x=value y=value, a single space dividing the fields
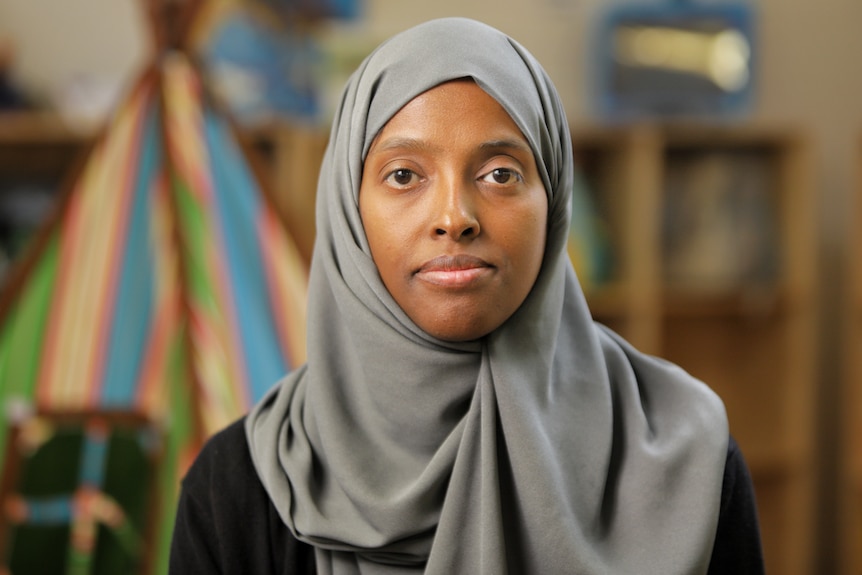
x=454 y=271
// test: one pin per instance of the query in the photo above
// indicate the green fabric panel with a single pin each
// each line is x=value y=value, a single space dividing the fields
x=178 y=437
x=21 y=335
x=52 y=471
x=196 y=235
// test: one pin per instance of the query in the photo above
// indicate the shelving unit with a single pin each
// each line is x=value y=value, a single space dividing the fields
x=851 y=463
x=39 y=146
x=749 y=333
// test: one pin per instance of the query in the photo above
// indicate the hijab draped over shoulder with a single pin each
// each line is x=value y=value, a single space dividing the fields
x=548 y=446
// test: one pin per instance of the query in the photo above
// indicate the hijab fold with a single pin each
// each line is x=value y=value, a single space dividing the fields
x=550 y=446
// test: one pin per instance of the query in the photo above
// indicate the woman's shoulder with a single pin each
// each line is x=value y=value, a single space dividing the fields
x=737 y=549
x=225 y=514
x=223 y=475
x=223 y=464
x=228 y=442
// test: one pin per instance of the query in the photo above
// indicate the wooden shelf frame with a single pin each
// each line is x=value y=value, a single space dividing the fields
x=850 y=466
x=755 y=344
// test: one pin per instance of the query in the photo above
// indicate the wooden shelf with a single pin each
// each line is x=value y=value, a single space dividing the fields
x=850 y=498
x=752 y=341
x=27 y=128
x=39 y=146
x=753 y=302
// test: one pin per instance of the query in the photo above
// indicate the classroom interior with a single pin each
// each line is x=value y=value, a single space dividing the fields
x=726 y=238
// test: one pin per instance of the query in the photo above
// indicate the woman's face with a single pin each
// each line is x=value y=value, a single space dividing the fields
x=455 y=211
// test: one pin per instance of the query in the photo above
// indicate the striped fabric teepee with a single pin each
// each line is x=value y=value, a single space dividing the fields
x=164 y=298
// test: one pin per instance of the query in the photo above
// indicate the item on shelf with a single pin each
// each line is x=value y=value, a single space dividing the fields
x=11 y=95
x=719 y=226
x=588 y=239
x=23 y=208
x=675 y=58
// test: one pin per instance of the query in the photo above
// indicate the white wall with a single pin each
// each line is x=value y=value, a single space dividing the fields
x=59 y=40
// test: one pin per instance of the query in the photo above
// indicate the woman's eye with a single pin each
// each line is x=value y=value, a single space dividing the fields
x=502 y=176
x=401 y=177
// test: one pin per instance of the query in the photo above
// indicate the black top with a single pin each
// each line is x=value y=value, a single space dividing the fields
x=226 y=523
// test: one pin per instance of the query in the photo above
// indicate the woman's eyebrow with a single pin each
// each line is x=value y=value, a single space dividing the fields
x=401 y=143
x=415 y=144
x=510 y=144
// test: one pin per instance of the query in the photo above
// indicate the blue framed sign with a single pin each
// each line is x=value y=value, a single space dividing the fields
x=676 y=59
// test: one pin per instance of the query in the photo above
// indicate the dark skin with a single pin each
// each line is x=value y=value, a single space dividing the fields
x=455 y=211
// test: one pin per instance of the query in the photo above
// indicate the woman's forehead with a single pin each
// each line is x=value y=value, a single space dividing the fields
x=480 y=92
x=448 y=110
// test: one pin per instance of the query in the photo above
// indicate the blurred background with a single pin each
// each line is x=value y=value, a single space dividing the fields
x=717 y=210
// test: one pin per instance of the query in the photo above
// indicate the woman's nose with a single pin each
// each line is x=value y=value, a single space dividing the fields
x=456 y=212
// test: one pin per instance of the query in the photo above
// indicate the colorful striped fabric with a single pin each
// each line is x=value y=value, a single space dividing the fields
x=168 y=285
x=239 y=262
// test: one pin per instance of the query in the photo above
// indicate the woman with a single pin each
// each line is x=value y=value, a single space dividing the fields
x=460 y=412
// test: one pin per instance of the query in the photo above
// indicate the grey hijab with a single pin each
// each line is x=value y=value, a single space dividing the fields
x=549 y=446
